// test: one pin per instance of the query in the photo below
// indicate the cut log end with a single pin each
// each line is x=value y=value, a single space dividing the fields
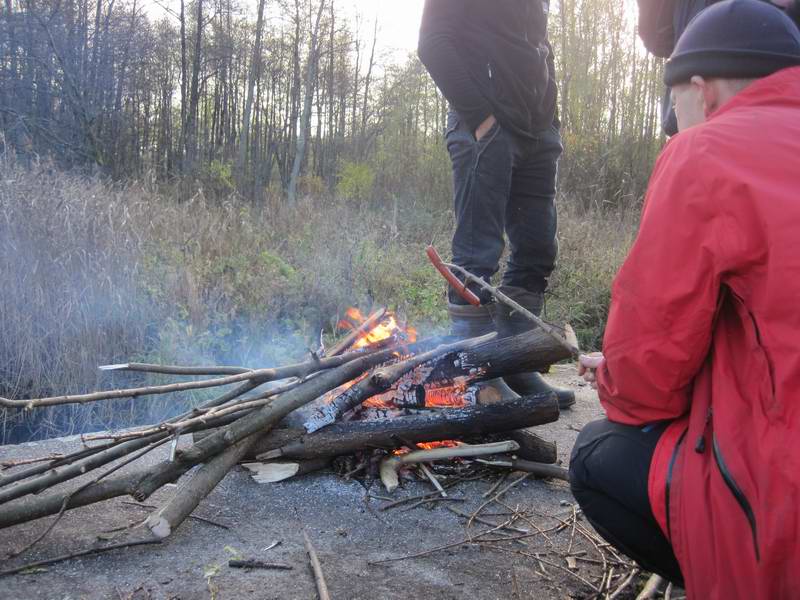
x=159 y=526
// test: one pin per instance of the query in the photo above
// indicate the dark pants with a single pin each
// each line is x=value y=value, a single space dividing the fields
x=608 y=473
x=504 y=184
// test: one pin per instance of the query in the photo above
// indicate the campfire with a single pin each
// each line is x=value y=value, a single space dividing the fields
x=379 y=403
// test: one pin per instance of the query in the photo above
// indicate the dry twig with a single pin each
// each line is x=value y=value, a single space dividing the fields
x=316 y=566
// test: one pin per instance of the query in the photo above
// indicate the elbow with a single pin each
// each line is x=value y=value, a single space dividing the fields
x=433 y=45
x=424 y=50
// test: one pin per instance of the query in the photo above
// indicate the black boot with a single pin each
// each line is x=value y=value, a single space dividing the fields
x=509 y=323
x=467 y=321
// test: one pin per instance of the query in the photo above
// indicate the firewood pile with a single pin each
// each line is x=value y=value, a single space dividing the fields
x=378 y=403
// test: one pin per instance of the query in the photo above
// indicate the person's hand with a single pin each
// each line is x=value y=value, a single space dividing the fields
x=484 y=127
x=588 y=365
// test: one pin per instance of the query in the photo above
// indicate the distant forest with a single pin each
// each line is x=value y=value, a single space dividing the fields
x=294 y=99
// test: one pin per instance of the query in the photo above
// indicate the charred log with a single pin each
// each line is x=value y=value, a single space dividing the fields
x=344 y=438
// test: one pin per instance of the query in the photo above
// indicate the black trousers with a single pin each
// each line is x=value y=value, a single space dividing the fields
x=608 y=473
x=504 y=184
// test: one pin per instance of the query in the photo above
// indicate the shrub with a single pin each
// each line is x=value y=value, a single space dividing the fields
x=355 y=181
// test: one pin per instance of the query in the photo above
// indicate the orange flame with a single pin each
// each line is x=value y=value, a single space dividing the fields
x=383 y=330
x=441 y=444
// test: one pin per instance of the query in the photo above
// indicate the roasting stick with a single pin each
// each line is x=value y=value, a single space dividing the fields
x=568 y=341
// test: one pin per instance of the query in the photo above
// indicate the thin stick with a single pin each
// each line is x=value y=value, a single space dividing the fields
x=208 y=416
x=650 y=588
x=319 y=576
x=10 y=464
x=258 y=375
x=409 y=499
x=467 y=540
x=63 y=557
x=550 y=564
x=431 y=501
x=454 y=510
x=497 y=496
x=497 y=484
x=193 y=517
x=175 y=369
x=433 y=479
x=258 y=564
x=621 y=588
x=544 y=326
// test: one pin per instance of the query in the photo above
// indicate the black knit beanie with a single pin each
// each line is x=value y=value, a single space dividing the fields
x=734 y=39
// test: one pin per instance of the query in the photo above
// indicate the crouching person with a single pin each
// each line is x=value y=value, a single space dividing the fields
x=696 y=472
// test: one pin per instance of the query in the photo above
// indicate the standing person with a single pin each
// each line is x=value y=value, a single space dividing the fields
x=695 y=472
x=661 y=23
x=493 y=63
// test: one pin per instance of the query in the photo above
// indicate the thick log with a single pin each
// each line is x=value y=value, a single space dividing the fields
x=346 y=437
x=164 y=521
x=530 y=351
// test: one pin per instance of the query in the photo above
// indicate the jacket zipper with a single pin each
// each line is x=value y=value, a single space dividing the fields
x=737 y=492
x=672 y=461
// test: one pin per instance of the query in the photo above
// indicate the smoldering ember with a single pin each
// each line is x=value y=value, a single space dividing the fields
x=380 y=408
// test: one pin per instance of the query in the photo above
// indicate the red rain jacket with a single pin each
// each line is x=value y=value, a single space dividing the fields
x=704 y=328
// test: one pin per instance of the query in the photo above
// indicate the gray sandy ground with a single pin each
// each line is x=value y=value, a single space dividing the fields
x=347 y=529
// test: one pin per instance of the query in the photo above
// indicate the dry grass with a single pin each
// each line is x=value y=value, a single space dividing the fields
x=95 y=273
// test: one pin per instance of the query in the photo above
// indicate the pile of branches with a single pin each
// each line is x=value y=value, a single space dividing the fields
x=244 y=422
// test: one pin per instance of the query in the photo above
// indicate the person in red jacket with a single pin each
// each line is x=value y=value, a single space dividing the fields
x=696 y=471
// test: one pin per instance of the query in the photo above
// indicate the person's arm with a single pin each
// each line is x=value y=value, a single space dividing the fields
x=656 y=26
x=665 y=296
x=438 y=51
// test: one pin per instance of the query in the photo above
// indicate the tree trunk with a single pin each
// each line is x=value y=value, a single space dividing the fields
x=255 y=72
x=305 y=119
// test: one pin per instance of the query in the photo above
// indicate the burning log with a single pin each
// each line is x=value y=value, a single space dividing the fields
x=390 y=466
x=380 y=381
x=476 y=360
x=456 y=423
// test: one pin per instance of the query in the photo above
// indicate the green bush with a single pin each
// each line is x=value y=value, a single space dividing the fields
x=355 y=181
